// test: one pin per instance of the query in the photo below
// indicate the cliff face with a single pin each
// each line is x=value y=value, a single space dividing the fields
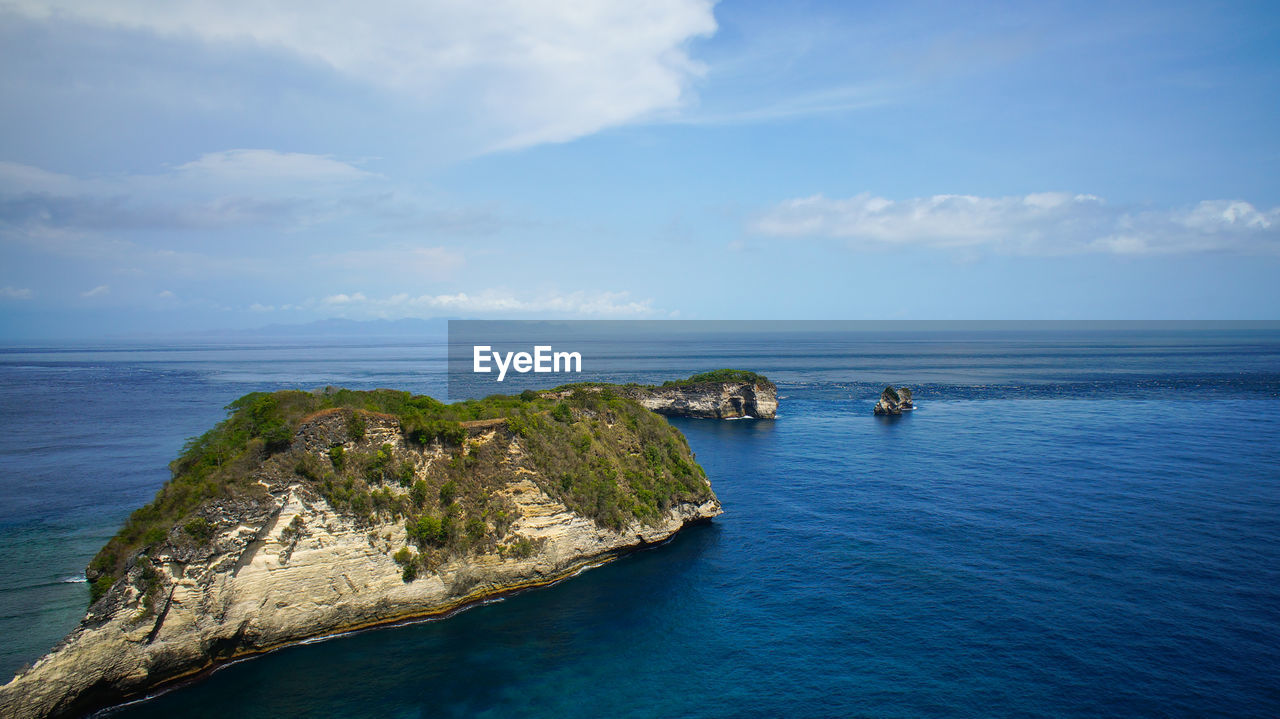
x=287 y=564
x=715 y=400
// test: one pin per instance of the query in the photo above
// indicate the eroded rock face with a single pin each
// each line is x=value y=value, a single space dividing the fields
x=291 y=567
x=715 y=400
x=894 y=401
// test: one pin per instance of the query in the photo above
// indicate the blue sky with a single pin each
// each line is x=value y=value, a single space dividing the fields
x=165 y=166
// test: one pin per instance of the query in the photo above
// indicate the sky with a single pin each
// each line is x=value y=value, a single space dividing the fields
x=189 y=167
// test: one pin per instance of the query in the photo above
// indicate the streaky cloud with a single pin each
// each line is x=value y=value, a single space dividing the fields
x=1037 y=224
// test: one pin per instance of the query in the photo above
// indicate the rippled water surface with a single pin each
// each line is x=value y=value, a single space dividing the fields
x=1068 y=526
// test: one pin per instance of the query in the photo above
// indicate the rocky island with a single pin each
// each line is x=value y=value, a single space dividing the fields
x=719 y=394
x=893 y=401
x=306 y=514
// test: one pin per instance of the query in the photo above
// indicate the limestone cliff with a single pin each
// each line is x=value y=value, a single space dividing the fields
x=353 y=523
x=720 y=394
x=714 y=400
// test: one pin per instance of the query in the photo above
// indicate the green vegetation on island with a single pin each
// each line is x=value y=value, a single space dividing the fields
x=603 y=456
x=721 y=375
x=711 y=377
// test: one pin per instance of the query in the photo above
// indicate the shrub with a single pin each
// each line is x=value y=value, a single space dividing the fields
x=419 y=493
x=356 y=426
x=404 y=473
x=100 y=587
x=308 y=466
x=519 y=425
x=151 y=586
x=448 y=491
x=427 y=530
x=154 y=536
x=427 y=431
x=338 y=456
x=522 y=548
x=295 y=529
x=199 y=529
x=376 y=471
x=562 y=413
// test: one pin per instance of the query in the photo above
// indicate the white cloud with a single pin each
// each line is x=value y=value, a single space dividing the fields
x=530 y=71
x=831 y=101
x=15 y=293
x=494 y=302
x=268 y=168
x=1050 y=223
x=96 y=291
x=345 y=299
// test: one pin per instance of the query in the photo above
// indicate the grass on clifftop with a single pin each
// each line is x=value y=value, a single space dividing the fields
x=602 y=456
x=609 y=458
x=714 y=376
x=720 y=375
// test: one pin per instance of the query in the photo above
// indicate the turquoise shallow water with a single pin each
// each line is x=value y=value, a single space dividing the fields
x=1043 y=537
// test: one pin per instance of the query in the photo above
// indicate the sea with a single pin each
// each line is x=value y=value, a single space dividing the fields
x=1072 y=523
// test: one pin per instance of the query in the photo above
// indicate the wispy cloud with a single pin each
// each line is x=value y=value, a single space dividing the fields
x=267 y=168
x=821 y=102
x=15 y=293
x=524 y=71
x=488 y=302
x=98 y=291
x=1050 y=223
x=234 y=188
x=116 y=218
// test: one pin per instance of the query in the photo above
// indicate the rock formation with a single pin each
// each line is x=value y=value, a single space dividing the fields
x=722 y=394
x=715 y=400
x=894 y=401
x=353 y=523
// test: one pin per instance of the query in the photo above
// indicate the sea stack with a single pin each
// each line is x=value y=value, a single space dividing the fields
x=718 y=394
x=894 y=401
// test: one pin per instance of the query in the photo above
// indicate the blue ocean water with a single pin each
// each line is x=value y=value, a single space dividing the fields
x=1071 y=524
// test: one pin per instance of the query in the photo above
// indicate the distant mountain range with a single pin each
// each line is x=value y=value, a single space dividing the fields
x=409 y=328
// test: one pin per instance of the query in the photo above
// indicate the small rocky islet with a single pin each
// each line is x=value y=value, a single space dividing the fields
x=893 y=402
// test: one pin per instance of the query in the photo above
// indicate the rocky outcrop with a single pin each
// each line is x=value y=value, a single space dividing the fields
x=894 y=401
x=289 y=566
x=714 y=400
